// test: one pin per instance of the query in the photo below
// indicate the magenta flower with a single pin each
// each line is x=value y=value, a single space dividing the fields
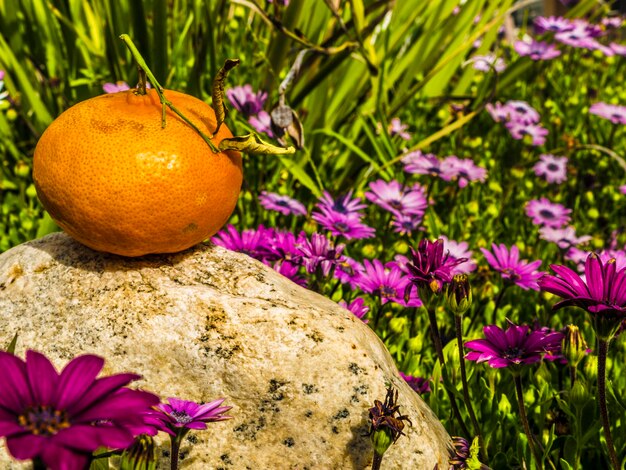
x=357 y=307
x=345 y=204
x=290 y=271
x=618 y=49
x=406 y=224
x=348 y=226
x=519 y=130
x=521 y=111
x=191 y=415
x=603 y=291
x=348 y=271
x=253 y=242
x=614 y=113
x=115 y=87
x=397 y=128
x=398 y=199
x=281 y=246
x=430 y=267
x=499 y=112
x=63 y=418
x=508 y=264
x=387 y=282
x=246 y=101
x=419 y=384
x=536 y=50
x=464 y=169
x=459 y=251
x=554 y=24
x=544 y=212
x=553 y=169
x=565 y=237
x=512 y=348
x=262 y=122
x=319 y=253
x=422 y=164
x=484 y=63
x=581 y=35
x=281 y=203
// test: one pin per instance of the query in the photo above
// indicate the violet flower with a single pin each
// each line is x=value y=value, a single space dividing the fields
x=281 y=203
x=406 y=224
x=513 y=269
x=484 y=63
x=519 y=130
x=422 y=164
x=553 y=169
x=514 y=347
x=464 y=169
x=564 y=237
x=115 y=87
x=614 y=113
x=349 y=271
x=554 y=24
x=544 y=212
x=348 y=226
x=397 y=198
x=430 y=268
x=397 y=128
x=344 y=204
x=418 y=384
x=459 y=251
x=246 y=101
x=319 y=253
x=63 y=418
x=253 y=242
x=179 y=413
x=357 y=307
x=387 y=282
x=536 y=50
x=262 y=123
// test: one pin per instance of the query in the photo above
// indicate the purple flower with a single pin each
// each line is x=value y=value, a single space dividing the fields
x=284 y=204
x=422 y=164
x=612 y=21
x=618 y=49
x=191 y=415
x=253 y=242
x=386 y=281
x=398 y=199
x=429 y=267
x=565 y=237
x=617 y=256
x=406 y=224
x=281 y=246
x=62 y=418
x=615 y=113
x=115 y=87
x=519 y=130
x=581 y=35
x=348 y=271
x=463 y=169
x=245 y=100
x=397 y=128
x=345 y=204
x=521 y=111
x=508 y=264
x=357 y=307
x=603 y=291
x=262 y=122
x=514 y=347
x=290 y=271
x=419 y=384
x=553 y=169
x=622 y=189
x=544 y=212
x=536 y=50
x=348 y=226
x=554 y=24
x=459 y=251
x=319 y=253
x=484 y=63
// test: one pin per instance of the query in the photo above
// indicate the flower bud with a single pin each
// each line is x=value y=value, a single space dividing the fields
x=415 y=344
x=140 y=455
x=459 y=294
x=591 y=367
x=574 y=346
x=579 y=395
x=381 y=440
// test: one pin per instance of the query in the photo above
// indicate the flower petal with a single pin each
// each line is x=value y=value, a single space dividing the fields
x=26 y=446
x=76 y=378
x=15 y=393
x=42 y=376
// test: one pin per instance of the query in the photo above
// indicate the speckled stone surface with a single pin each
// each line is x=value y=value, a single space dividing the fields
x=299 y=371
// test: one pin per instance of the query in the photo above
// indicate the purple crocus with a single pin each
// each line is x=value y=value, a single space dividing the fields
x=386 y=281
x=430 y=267
x=62 y=418
x=536 y=50
x=419 y=384
x=348 y=226
x=512 y=268
x=601 y=292
x=516 y=346
x=246 y=101
x=553 y=169
x=281 y=203
x=319 y=253
x=186 y=414
x=544 y=212
x=614 y=113
x=397 y=198
x=357 y=307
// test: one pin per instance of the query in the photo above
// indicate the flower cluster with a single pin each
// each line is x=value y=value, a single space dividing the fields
x=451 y=168
x=520 y=119
x=250 y=105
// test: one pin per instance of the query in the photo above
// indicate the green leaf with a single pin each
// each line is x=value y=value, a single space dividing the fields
x=11 y=347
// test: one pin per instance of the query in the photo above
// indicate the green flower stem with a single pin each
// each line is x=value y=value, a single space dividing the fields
x=603 y=346
x=175 y=447
x=522 y=413
x=378 y=459
x=141 y=63
x=458 y=323
x=434 y=329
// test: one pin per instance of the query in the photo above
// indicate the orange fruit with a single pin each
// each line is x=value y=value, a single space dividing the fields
x=116 y=181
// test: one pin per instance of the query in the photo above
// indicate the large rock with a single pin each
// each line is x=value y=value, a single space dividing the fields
x=299 y=371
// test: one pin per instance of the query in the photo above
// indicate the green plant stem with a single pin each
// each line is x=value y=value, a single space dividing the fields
x=522 y=413
x=603 y=346
x=497 y=302
x=458 y=323
x=141 y=63
x=434 y=329
x=378 y=459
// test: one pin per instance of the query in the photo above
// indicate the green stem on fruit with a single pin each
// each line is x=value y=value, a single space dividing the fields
x=378 y=459
x=141 y=63
x=603 y=346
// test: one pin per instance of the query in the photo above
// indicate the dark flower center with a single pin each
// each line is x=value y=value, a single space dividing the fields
x=281 y=202
x=387 y=291
x=342 y=227
x=552 y=167
x=511 y=273
x=43 y=420
x=513 y=353
x=546 y=214
x=395 y=203
x=181 y=417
